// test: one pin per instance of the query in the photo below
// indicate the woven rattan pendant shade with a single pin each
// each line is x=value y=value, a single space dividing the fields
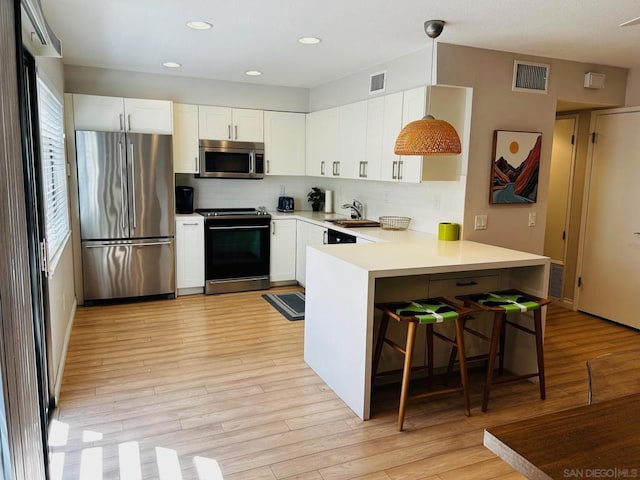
x=428 y=136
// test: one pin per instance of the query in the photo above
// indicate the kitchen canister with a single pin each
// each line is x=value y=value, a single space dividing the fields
x=448 y=231
x=328 y=201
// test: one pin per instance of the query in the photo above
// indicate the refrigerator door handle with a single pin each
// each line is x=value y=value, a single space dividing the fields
x=126 y=244
x=133 y=186
x=122 y=188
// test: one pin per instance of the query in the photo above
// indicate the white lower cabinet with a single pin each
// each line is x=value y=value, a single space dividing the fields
x=189 y=254
x=283 y=250
x=306 y=234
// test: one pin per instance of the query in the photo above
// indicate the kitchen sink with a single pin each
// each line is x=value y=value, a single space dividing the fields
x=349 y=222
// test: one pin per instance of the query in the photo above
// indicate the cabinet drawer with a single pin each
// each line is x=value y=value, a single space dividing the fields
x=452 y=286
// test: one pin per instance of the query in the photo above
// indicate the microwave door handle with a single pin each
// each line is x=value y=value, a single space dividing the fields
x=252 y=162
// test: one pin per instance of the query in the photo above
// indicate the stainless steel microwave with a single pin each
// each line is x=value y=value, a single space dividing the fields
x=227 y=159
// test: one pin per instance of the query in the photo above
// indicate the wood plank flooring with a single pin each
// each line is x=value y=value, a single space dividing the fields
x=213 y=387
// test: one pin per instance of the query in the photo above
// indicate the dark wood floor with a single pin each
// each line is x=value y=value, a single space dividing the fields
x=212 y=387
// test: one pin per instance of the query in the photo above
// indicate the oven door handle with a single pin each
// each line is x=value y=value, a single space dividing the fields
x=240 y=227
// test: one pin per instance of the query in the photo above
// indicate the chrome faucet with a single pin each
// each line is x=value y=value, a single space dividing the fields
x=356 y=209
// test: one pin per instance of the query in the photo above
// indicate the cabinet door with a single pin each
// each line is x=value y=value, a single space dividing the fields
x=214 y=123
x=352 y=139
x=284 y=143
x=283 y=250
x=322 y=138
x=148 y=116
x=392 y=124
x=92 y=112
x=248 y=125
x=190 y=252
x=375 y=136
x=185 y=138
x=413 y=108
x=306 y=234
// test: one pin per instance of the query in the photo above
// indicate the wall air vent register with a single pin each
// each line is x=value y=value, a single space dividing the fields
x=530 y=77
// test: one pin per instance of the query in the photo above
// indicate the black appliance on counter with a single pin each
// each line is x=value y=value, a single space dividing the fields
x=285 y=204
x=184 y=199
x=237 y=249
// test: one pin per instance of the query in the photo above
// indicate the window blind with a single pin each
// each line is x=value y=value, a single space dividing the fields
x=54 y=173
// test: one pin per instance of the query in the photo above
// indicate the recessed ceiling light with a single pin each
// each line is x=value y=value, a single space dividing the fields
x=253 y=73
x=198 y=25
x=309 y=40
x=172 y=64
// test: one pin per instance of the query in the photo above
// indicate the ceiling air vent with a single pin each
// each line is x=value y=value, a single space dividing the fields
x=530 y=77
x=377 y=82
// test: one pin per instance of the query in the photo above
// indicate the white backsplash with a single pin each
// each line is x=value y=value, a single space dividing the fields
x=427 y=203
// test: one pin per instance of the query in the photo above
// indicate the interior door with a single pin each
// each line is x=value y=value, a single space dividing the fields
x=610 y=271
x=558 y=203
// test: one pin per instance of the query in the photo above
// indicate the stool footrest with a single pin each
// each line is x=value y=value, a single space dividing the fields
x=520 y=327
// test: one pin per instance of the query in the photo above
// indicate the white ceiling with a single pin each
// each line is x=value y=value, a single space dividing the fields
x=357 y=34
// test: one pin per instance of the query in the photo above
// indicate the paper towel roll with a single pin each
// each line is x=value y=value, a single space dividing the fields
x=448 y=231
x=328 y=201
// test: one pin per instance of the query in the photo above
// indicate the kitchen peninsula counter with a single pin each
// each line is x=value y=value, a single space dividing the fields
x=344 y=281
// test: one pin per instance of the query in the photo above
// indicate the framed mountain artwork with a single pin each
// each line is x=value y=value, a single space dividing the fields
x=515 y=167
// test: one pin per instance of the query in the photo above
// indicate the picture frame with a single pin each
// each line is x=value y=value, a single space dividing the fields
x=515 y=166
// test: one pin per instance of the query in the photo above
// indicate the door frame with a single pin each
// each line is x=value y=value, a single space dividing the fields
x=585 y=198
x=571 y=186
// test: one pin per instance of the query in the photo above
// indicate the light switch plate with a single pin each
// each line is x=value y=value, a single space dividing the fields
x=480 y=222
x=532 y=219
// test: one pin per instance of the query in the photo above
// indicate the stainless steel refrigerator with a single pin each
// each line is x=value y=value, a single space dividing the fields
x=126 y=200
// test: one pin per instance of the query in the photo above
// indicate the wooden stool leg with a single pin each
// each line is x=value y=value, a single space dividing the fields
x=384 y=323
x=406 y=372
x=537 y=318
x=498 y=323
x=454 y=348
x=429 y=352
x=463 y=364
x=500 y=353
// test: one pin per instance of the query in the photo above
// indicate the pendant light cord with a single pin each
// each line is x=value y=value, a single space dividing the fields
x=433 y=43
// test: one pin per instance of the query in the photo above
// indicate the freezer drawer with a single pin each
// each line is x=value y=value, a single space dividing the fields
x=120 y=269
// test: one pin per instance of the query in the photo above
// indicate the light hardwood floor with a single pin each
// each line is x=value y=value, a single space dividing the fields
x=189 y=388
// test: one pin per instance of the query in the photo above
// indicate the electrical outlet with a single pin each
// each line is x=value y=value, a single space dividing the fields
x=532 y=219
x=480 y=222
x=281 y=189
x=436 y=202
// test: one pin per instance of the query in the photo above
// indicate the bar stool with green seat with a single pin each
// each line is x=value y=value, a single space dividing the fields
x=414 y=313
x=502 y=303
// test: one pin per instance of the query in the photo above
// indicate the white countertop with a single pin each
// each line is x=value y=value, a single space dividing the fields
x=409 y=252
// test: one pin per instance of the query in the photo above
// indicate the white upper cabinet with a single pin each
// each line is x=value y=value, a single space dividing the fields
x=392 y=124
x=413 y=108
x=237 y=124
x=284 y=143
x=352 y=140
x=185 y=138
x=369 y=168
x=322 y=143
x=114 y=114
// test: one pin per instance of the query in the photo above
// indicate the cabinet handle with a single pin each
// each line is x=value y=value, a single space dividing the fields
x=194 y=224
x=394 y=175
x=229 y=131
x=360 y=169
x=129 y=121
x=466 y=284
x=196 y=164
x=121 y=125
x=235 y=127
x=267 y=166
x=273 y=225
x=322 y=167
x=400 y=164
x=324 y=237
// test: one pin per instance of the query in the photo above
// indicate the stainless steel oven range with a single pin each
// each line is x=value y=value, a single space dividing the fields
x=237 y=244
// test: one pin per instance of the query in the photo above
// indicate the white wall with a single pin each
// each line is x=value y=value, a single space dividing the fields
x=101 y=81
x=632 y=98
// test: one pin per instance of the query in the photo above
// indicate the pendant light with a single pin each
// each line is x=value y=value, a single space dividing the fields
x=429 y=136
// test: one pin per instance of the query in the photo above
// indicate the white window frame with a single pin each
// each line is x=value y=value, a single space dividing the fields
x=54 y=174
